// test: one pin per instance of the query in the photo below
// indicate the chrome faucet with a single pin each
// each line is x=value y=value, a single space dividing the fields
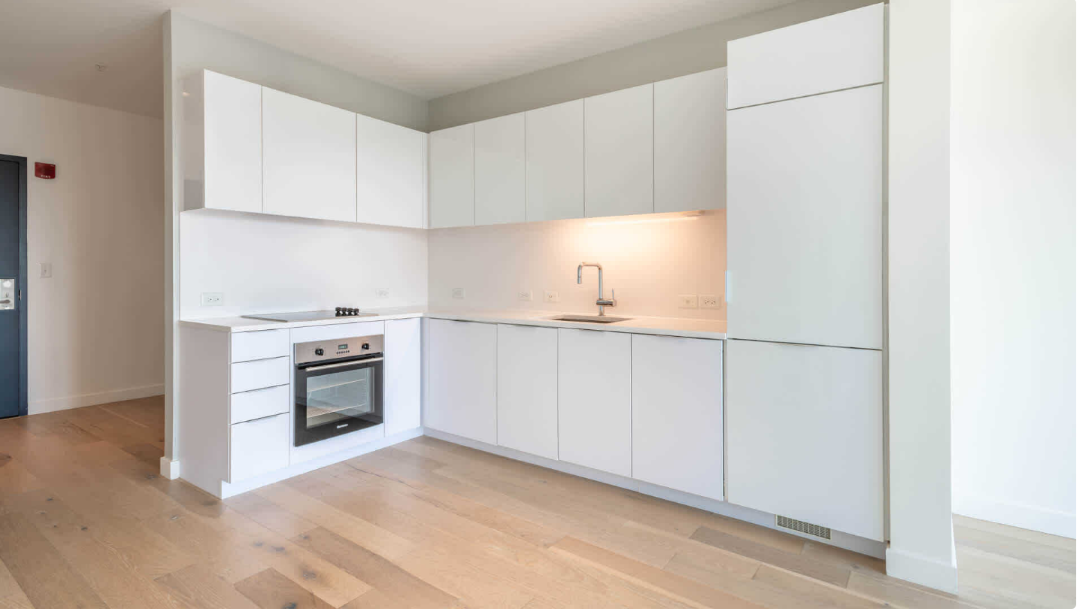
x=600 y=301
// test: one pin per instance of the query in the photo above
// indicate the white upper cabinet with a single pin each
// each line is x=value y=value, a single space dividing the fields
x=309 y=158
x=222 y=141
x=678 y=425
x=555 y=162
x=805 y=435
x=451 y=175
x=500 y=170
x=619 y=153
x=594 y=400
x=529 y=389
x=391 y=179
x=804 y=220
x=689 y=153
x=461 y=379
x=837 y=52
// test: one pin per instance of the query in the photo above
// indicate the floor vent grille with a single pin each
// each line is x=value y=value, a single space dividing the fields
x=808 y=528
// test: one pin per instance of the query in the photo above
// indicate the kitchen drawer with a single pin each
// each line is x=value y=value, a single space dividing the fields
x=260 y=374
x=259 y=447
x=251 y=405
x=248 y=346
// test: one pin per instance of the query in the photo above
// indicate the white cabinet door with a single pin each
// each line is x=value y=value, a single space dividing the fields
x=451 y=176
x=594 y=400
x=805 y=436
x=555 y=162
x=401 y=376
x=222 y=143
x=500 y=170
x=804 y=227
x=528 y=390
x=390 y=174
x=689 y=160
x=309 y=158
x=619 y=153
x=828 y=54
x=678 y=426
x=259 y=447
x=461 y=379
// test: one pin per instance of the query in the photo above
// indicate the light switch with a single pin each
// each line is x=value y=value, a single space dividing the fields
x=46 y=270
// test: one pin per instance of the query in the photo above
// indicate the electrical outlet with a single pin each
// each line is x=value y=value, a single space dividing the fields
x=382 y=294
x=551 y=297
x=525 y=296
x=687 y=301
x=457 y=293
x=212 y=299
x=46 y=270
x=709 y=301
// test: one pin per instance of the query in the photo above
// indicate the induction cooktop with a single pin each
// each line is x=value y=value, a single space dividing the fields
x=312 y=315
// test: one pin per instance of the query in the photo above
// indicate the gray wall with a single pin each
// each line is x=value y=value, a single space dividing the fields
x=671 y=56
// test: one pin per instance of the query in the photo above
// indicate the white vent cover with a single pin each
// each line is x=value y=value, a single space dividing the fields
x=808 y=528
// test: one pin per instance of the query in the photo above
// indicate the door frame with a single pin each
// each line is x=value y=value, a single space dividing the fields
x=22 y=278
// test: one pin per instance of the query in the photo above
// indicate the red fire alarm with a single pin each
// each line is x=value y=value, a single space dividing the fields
x=44 y=171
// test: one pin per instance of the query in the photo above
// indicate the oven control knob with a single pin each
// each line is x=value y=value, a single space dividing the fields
x=319 y=352
x=366 y=346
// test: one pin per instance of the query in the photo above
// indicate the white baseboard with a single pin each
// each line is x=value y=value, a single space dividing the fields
x=170 y=469
x=93 y=399
x=921 y=570
x=749 y=515
x=1046 y=520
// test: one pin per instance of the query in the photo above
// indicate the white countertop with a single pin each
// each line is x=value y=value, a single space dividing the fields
x=661 y=326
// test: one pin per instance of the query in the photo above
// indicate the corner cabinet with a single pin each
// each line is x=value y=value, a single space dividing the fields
x=462 y=379
x=309 y=158
x=450 y=172
x=391 y=174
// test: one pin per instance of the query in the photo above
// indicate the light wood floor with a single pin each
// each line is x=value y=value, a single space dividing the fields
x=85 y=521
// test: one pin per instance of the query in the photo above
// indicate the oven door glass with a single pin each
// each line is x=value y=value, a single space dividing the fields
x=337 y=400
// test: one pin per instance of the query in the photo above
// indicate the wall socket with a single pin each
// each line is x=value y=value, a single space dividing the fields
x=46 y=270
x=457 y=293
x=524 y=296
x=212 y=299
x=709 y=301
x=382 y=294
x=551 y=297
x=687 y=301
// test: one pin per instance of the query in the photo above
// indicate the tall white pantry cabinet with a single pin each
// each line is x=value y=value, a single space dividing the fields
x=803 y=393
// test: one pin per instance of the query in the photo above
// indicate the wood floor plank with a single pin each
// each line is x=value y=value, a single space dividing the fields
x=900 y=594
x=196 y=586
x=812 y=593
x=794 y=562
x=270 y=589
x=995 y=580
x=1039 y=553
x=11 y=594
x=44 y=576
x=675 y=586
x=403 y=589
x=270 y=515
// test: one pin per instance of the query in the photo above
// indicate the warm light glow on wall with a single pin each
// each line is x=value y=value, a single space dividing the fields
x=652 y=219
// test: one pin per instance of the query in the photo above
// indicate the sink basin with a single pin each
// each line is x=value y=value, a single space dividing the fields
x=589 y=318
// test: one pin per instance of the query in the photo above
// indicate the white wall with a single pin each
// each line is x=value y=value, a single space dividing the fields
x=273 y=264
x=265 y=265
x=1013 y=235
x=95 y=326
x=648 y=259
x=920 y=511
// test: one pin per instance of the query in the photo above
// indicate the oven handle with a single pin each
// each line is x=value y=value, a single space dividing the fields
x=340 y=364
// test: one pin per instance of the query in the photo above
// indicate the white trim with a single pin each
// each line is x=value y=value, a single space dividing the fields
x=921 y=570
x=93 y=399
x=757 y=517
x=229 y=489
x=1035 y=518
x=169 y=469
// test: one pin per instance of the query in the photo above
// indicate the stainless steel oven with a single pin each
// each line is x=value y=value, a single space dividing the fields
x=339 y=387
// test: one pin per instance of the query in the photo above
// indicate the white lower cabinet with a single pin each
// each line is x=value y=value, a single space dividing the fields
x=805 y=436
x=678 y=427
x=259 y=447
x=461 y=379
x=528 y=389
x=401 y=375
x=594 y=400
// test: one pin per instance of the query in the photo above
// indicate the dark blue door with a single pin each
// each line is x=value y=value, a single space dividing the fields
x=12 y=290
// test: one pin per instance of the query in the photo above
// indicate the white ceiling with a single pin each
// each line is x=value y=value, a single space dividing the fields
x=430 y=48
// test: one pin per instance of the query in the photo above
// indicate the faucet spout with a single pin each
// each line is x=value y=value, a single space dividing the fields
x=600 y=301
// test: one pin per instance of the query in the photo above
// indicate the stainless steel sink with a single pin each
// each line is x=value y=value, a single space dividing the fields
x=589 y=318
